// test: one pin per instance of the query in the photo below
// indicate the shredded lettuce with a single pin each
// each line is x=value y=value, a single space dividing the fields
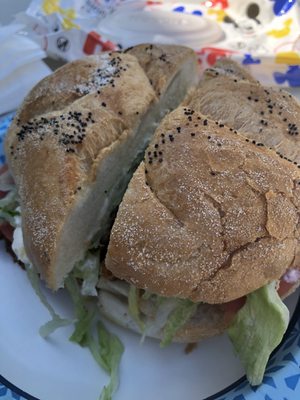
x=120 y=288
x=106 y=349
x=88 y=271
x=51 y=326
x=163 y=307
x=8 y=207
x=115 y=309
x=147 y=295
x=107 y=352
x=84 y=315
x=56 y=321
x=159 y=316
x=160 y=300
x=133 y=305
x=177 y=319
x=82 y=327
x=258 y=329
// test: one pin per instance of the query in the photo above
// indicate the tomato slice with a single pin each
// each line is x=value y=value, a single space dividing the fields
x=231 y=308
x=7 y=231
x=285 y=287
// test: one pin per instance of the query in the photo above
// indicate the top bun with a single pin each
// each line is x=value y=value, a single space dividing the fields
x=74 y=144
x=209 y=215
x=165 y=68
x=228 y=94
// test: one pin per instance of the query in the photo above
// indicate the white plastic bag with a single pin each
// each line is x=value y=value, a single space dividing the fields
x=21 y=66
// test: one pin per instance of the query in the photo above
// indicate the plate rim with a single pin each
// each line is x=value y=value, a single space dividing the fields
x=226 y=391
x=16 y=390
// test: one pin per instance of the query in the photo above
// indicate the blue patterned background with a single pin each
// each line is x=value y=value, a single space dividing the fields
x=282 y=378
x=7 y=394
x=4 y=124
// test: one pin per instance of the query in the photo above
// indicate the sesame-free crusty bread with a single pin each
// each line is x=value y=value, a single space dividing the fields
x=73 y=147
x=267 y=115
x=209 y=215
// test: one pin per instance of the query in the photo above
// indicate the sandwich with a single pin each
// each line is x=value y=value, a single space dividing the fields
x=209 y=221
x=180 y=224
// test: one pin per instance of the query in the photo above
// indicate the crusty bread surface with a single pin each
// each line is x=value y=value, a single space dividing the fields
x=228 y=67
x=164 y=70
x=57 y=143
x=72 y=149
x=209 y=215
x=267 y=115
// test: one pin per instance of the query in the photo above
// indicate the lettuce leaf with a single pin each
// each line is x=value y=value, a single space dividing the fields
x=258 y=329
x=115 y=309
x=107 y=352
x=106 y=348
x=88 y=271
x=177 y=319
x=8 y=207
x=51 y=326
x=162 y=307
x=147 y=295
x=117 y=287
x=56 y=321
x=121 y=303
x=133 y=306
x=84 y=315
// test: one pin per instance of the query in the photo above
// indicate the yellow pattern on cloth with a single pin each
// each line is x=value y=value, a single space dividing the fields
x=285 y=31
x=220 y=14
x=288 y=57
x=68 y=14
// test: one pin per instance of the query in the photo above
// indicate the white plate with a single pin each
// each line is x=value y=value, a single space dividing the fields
x=57 y=369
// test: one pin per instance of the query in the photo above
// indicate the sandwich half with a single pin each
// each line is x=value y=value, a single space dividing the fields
x=206 y=238
x=75 y=142
x=208 y=216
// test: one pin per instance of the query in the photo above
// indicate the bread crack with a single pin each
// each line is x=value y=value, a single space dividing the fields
x=227 y=264
x=180 y=223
